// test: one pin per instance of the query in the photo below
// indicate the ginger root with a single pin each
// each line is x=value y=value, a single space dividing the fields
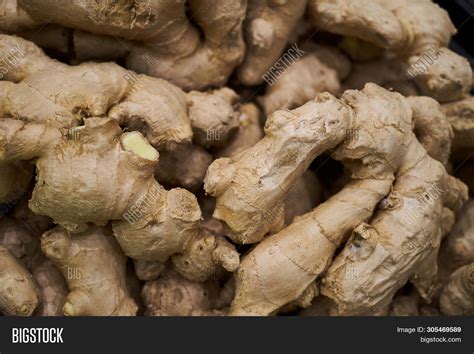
x=302 y=81
x=149 y=222
x=278 y=147
x=248 y=192
x=388 y=166
x=248 y=134
x=23 y=243
x=388 y=73
x=18 y=291
x=79 y=257
x=173 y=295
x=461 y=117
x=457 y=298
x=458 y=247
x=414 y=29
x=268 y=27
x=148 y=270
x=159 y=38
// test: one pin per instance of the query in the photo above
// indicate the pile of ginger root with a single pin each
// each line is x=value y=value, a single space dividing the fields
x=234 y=158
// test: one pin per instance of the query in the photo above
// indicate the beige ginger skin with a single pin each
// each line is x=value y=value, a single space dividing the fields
x=22 y=242
x=18 y=292
x=248 y=134
x=174 y=295
x=250 y=186
x=160 y=39
x=149 y=222
x=141 y=183
x=402 y=26
x=300 y=83
x=91 y=292
x=162 y=112
x=319 y=70
x=268 y=28
x=386 y=164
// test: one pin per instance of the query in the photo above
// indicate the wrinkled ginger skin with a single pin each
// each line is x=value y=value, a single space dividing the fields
x=412 y=28
x=401 y=243
x=102 y=17
x=197 y=65
x=18 y=293
x=214 y=116
x=154 y=107
x=99 y=154
x=299 y=84
x=149 y=222
x=320 y=69
x=457 y=298
x=248 y=192
x=61 y=100
x=198 y=261
x=91 y=293
x=268 y=28
x=432 y=128
x=174 y=295
x=169 y=221
x=386 y=150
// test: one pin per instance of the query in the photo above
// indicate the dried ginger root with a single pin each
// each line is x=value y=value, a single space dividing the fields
x=160 y=39
x=388 y=166
x=411 y=28
x=149 y=222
